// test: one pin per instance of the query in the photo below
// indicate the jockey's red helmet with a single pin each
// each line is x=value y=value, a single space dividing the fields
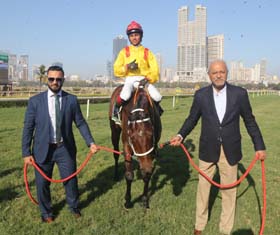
x=134 y=27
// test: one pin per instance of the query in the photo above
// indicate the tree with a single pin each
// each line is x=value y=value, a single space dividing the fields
x=41 y=75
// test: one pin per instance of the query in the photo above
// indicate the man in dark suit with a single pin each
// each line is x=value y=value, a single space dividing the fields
x=48 y=139
x=220 y=107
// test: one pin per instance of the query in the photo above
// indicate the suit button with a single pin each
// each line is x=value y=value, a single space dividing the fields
x=220 y=128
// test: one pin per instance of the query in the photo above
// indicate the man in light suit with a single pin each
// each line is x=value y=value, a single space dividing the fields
x=220 y=107
x=48 y=139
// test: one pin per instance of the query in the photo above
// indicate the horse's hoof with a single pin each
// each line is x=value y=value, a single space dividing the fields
x=146 y=206
x=147 y=209
x=128 y=205
x=145 y=202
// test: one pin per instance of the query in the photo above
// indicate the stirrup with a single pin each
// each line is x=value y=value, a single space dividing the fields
x=116 y=120
x=117 y=117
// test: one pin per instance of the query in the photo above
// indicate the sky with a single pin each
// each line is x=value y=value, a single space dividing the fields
x=80 y=33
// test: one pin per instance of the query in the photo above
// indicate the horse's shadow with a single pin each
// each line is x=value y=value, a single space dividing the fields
x=99 y=185
x=172 y=165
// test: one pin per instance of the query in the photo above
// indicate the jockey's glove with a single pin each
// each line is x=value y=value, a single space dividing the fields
x=132 y=66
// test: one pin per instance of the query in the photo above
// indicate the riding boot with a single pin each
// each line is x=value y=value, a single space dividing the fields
x=116 y=110
x=159 y=108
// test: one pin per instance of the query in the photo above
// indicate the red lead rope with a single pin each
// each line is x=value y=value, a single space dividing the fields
x=237 y=182
x=89 y=155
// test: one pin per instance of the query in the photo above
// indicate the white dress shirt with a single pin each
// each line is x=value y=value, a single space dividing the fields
x=51 y=106
x=220 y=99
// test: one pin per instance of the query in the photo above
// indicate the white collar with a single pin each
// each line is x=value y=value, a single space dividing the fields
x=51 y=94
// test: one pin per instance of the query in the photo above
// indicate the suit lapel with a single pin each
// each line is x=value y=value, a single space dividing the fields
x=63 y=106
x=45 y=105
x=212 y=106
x=228 y=103
x=45 y=112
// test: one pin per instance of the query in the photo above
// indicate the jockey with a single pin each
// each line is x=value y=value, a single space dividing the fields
x=134 y=63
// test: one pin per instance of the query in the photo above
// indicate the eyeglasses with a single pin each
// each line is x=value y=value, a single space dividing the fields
x=58 y=80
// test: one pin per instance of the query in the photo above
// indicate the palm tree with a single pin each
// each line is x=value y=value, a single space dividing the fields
x=41 y=75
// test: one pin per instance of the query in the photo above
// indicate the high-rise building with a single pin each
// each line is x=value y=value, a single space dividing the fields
x=241 y=74
x=215 y=48
x=12 y=66
x=263 y=70
x=192 y=48
x=35 y=72
x=160 y=62
x=167 y=75
x=118 y=43
x=23 y=67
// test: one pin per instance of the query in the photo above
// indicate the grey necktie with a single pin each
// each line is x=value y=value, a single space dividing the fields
x=57 y=118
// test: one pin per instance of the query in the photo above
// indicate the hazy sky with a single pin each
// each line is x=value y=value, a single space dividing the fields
x=80 y=33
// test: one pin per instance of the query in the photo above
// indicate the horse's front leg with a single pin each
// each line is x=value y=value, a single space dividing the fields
x=129 y=175
x=115 y=138
x=147 y=168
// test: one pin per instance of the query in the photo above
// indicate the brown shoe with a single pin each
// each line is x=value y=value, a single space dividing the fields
x=47 y=220
x=76 y=213
x=197 y=232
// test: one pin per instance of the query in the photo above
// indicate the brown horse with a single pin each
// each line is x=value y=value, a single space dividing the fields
x=141 y=130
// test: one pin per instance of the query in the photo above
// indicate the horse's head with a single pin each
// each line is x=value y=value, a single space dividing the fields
x=140 y=127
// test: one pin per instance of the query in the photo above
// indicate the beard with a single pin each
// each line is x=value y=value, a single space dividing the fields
x=56 y=89
x=219 y=86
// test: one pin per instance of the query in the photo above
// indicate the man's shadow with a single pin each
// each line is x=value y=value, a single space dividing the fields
x=243 y=232
x=9 y=193
x=215 y=190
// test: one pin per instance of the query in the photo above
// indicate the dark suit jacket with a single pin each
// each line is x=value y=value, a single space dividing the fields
x=227 y=133
x=36 y=131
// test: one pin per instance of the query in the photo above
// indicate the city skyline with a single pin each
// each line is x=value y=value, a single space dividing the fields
x=80 y=34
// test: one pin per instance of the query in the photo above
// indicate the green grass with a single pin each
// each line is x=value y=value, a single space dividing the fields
x=172 y=189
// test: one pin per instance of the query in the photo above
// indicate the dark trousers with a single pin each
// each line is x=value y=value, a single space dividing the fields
x=66 y=165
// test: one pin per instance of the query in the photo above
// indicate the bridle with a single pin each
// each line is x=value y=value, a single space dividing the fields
x=140 y=119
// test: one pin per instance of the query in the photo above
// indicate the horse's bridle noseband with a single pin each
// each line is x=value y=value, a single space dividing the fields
x=129 y=139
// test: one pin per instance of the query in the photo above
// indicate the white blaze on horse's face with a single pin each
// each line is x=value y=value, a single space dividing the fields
x=140 y=133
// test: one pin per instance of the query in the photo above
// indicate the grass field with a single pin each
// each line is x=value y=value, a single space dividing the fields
x=172 y=190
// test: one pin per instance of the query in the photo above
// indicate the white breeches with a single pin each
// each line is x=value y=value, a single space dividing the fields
x=133 y=81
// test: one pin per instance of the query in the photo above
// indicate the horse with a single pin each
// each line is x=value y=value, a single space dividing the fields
x=141 y=130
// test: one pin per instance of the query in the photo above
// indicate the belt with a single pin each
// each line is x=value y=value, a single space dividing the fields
x=56 y=145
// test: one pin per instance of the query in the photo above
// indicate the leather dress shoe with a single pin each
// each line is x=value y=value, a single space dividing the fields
x=47 y=220
x=197 y=232
x=76 y=213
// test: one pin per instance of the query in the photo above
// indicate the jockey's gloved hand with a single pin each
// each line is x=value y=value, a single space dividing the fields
x=132 y=65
